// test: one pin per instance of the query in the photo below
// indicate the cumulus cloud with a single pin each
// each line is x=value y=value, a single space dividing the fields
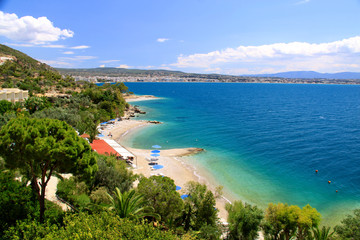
x=68 y=52
x=32 y=30
x=288 y=56
x=162 y=40
x=102 y=66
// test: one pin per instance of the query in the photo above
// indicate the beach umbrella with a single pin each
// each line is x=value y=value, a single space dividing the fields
x=155 y=155
x=184 y=196
x=155 y=151
x=156 y=146
x=103 y=123
x=178 y=188
x=158 y=167
x=100 y=135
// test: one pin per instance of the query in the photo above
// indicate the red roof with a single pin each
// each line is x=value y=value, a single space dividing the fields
x=85 y=135
x=101 y=147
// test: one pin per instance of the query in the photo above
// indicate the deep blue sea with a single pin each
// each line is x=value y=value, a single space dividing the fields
x=264 y=142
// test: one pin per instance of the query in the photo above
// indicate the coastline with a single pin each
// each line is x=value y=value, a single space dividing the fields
x=175 y=162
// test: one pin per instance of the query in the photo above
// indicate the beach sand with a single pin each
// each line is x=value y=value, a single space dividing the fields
x=175 y=166
x=133 y=98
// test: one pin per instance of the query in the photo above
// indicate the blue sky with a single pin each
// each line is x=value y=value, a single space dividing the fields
x=203 y=36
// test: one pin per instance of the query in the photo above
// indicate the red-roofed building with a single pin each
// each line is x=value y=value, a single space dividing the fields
x=101 y=147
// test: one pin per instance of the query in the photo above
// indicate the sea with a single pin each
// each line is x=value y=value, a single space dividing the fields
x=263 y=142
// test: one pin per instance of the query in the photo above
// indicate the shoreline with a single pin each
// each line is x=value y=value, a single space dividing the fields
x=175 y=165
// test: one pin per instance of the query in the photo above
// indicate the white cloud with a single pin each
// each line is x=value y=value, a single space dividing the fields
x=124 y=66
x=278 y=56
x=55 y=63
x=80 y=47
x=29 y=29
x=52 y=46
x=102 y=66
x=68 y=52
x=162 y=40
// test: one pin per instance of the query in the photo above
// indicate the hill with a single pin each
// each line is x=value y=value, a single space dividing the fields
x=313 y=75
x=18 y=70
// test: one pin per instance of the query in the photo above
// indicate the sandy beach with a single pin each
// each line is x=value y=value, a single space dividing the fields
x=133 y=98
x=175 y=166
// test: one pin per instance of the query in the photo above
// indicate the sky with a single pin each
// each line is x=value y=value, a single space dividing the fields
x=236 y=37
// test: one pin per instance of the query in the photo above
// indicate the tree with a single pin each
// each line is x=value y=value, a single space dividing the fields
x=322 y=234
x=16 y=201
x=244 y=220
x=199 y=209
x=131 y=205
x=112 y=175
x=160 y=193
x=41 y=147
x=350 y=227
x=34 y=104
x=308 y=219
x=5 y=106
x=285 y=222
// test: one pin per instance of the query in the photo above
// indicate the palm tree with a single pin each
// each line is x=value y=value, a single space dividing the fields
x=322 y=234
x=131 y=205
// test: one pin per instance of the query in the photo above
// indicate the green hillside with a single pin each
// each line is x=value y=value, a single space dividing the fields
x=24 y=72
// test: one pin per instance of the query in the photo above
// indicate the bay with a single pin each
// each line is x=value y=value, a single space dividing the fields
x=264 y=142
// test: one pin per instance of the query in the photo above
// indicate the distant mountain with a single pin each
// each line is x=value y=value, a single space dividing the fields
x=312 y=74
x=110 y=71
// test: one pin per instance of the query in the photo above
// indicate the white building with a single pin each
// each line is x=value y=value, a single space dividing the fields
x=13 y=94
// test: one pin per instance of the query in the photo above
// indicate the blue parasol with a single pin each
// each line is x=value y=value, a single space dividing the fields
x=155 y=155
x=184 y=196
x=158 y=167
x=156 y=146
x=100 y=135
x=155 y=151
x=178 y=188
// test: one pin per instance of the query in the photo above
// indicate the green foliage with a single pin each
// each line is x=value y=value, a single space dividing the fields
x=285 y=222
x=84 y=226
x=70 y=116
x=322 y=234
x=5 y=106
x=16 y=201
x=112 y=174
x=30 y=230
x=131 y=205
x=244 y=220
x=74 y=192
x=34 y=104
x=39 y=147
x=349 y=228
x=160 y=193
x=199 y=209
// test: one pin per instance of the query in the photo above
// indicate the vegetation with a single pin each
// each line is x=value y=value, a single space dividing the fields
x=244 y=220
x=41 y=147
x=38 y=141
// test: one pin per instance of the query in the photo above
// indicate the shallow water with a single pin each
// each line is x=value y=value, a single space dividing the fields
x=264 y=141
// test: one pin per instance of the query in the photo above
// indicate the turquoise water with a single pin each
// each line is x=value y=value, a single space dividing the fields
x=264 y=141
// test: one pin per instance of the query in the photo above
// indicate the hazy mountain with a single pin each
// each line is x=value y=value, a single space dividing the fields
x=312 y=74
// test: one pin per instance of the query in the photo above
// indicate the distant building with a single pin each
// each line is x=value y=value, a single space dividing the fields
x=13 y=94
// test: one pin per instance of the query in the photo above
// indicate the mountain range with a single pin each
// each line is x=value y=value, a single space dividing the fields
x=312 y=74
